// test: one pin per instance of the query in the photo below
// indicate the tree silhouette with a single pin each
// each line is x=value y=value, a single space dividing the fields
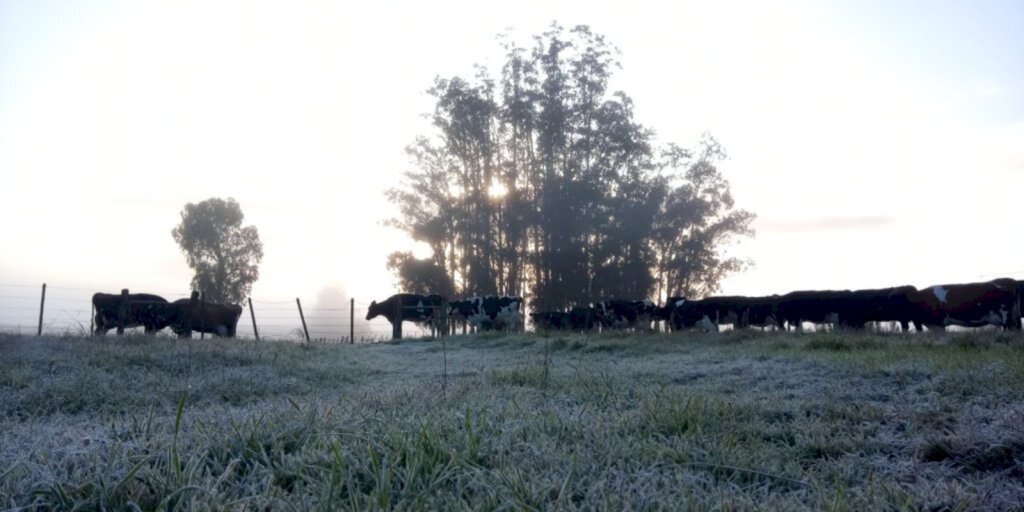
x=541 y=182
x=420 y=276
x=224 y=254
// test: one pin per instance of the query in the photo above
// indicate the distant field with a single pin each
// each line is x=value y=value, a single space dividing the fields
x=741 y=420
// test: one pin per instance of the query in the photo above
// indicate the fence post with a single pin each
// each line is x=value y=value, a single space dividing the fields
x=253 y=315
x=202 y=316
x=42 y=302
x=303 y=317
x=351 y=320
x=122 y=312
x=193 y=302
x=396 y=326
x=443 y=311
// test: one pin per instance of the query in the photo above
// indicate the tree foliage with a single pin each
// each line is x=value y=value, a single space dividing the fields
x=224 y=254
x=422 y=277
x=541 y=182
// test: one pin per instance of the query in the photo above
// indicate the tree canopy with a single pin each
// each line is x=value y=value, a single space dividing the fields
x=540 y=182
x=224 y=254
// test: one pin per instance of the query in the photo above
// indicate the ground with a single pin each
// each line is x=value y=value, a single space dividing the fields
x=739 y=420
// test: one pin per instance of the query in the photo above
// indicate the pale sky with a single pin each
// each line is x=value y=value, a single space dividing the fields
x=879 y=142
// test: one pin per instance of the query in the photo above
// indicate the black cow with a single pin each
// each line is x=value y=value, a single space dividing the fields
x=152 y=312
x=551 y=320
x=816 y=307
x=582 y=318
x=996 y=302
x=762 y=312
x=617 y=314
x=219 y=319
x=859 y=307
x=664 y=313
x=684 y=314
x=422 y=309
x=488 y=312
x=712 y=312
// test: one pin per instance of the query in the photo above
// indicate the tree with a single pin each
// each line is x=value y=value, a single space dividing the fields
x=541 y=182
x=224 y=254
x=421 y=277
x=694 y=220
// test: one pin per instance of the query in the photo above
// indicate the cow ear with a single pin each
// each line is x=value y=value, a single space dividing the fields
x=373 y=303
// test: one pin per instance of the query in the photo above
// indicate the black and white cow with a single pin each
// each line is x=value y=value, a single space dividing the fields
x=425 y=310
x=996 y=302
x=488 y=312
x=143 y=309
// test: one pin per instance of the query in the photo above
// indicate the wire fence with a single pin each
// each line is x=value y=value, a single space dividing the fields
x=67 y=310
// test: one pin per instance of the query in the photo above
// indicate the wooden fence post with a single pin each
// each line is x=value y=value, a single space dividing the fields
x=193 y=303
x=351 y=320
x=253 y=315
x=396 y=326
x=303 y=317
x=122 y=312
x=443 y=311
x=42 y=302
x=202 y=316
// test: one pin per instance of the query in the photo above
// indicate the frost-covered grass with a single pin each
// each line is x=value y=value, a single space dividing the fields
x=742 y=420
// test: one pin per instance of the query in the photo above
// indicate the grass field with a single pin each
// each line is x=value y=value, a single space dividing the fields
x=736 y=421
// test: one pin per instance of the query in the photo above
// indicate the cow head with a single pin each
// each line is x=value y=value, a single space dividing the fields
x=373 y=311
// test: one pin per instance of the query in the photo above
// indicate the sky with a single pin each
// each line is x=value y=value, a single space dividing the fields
x=880 y=143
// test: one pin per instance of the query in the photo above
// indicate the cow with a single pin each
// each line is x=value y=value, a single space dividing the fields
x=582 y=318
x=664 y=313
x=816 y=307
x=712 y=312
x=996 y=302
x=152 y=312
x=422 y=309
x=618 y=314
x=757 y=312
x=208 y=317
x=682 y=314
x=488 y=312
x=859 y=307
x=551 y=320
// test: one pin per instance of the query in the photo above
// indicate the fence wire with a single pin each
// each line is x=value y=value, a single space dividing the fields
x=68 y=310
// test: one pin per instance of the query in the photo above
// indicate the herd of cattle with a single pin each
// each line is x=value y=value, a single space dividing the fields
x=154 y=313
x=996 y=303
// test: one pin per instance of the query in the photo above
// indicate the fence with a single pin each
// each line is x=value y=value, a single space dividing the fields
x=63 y=310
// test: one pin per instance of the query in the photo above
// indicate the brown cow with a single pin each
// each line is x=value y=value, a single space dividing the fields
x=970 y=305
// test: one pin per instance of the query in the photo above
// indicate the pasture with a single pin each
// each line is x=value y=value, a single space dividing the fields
x=688 y=421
